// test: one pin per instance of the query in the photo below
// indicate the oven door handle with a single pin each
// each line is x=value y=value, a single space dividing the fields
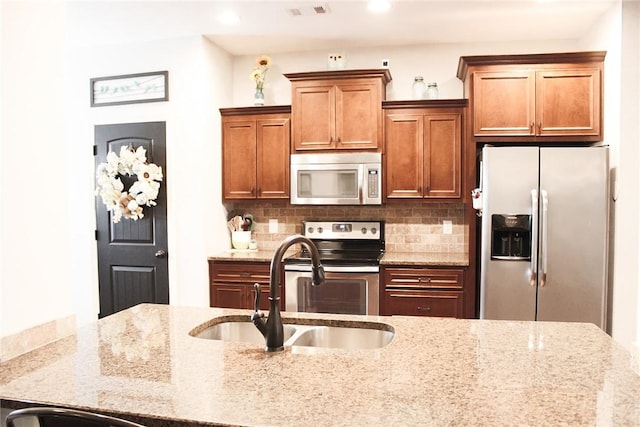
x=335 y=268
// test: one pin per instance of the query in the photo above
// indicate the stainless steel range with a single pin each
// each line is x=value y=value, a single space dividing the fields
x=350 y=252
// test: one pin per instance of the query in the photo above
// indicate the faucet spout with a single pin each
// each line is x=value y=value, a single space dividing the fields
x=273 y=331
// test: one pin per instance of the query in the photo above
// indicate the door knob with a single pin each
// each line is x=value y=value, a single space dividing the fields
x=161 y=254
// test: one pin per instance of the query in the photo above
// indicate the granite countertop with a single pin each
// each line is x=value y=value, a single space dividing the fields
x=441 y=259
x=424 y=259
x=142 y=363
x=258 y=255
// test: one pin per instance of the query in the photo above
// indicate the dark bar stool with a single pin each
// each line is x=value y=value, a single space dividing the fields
x=57 y=417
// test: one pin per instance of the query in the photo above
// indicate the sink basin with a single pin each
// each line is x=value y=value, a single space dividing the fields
x=305 y=333
x=242 y=331
x=343 y=338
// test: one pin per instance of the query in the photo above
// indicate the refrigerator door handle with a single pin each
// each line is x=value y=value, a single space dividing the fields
x=543 y=237
x=533 y=278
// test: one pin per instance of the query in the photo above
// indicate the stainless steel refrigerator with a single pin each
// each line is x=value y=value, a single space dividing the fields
x=545 y=222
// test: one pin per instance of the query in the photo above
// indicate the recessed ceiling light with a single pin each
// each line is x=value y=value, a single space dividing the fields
x=378 y=6
x=228 y=18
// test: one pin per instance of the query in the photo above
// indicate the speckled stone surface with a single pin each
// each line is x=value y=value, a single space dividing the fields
x=142 y=362
x=232 y=255
x=444 y=259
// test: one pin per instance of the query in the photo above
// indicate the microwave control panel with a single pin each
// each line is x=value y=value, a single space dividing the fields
x=373 y=185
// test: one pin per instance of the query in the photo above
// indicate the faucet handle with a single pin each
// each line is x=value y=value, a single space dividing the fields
x=256 y=303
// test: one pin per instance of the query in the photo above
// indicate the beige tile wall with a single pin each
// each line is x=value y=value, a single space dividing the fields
x=32 y=338
x=409 y=227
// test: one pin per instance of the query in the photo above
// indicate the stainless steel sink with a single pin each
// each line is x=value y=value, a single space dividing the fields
x=242 y=331
x=307 y=333
x=344 y=338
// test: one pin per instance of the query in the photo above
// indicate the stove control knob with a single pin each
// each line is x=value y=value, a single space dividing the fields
x=374 y=230
x=364 y=230
x=320 y=230
x=310 y=230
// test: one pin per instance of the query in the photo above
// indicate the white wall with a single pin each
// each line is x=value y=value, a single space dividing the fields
x=199 y=81
x=36 y=218
x=626 y=304
x=49 y=267
x=436 y=63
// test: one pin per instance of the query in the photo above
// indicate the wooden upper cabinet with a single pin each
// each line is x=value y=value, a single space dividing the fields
x=423 y=151
x=255 y=153
x=545 y=97
x=504 y=103
x=239 y=158
x=404 y=154
x=337 y=110
x=272 y=171
x=568 y=102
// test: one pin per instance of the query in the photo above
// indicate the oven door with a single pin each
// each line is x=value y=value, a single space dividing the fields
x=346 y=290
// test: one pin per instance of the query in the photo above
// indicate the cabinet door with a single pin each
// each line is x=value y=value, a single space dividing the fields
x=313 y=117
x=228 y=296
x=357 y=114
x=423 y=303
x=568 y=102
x=503 y=103
x=273 y=158
x=238 y=159
x=403 y=152
x=442 y=159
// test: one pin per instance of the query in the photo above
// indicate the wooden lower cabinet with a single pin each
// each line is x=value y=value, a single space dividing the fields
x=231 y=284
x=416 y=291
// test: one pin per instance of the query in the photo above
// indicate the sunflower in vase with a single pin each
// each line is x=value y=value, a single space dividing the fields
x=257 y=75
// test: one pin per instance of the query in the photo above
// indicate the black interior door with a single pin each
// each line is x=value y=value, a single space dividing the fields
x=132 y=255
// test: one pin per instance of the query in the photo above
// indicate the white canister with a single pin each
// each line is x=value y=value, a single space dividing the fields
x=240 y=239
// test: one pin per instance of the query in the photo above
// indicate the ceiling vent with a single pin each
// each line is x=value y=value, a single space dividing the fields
x=321 y=9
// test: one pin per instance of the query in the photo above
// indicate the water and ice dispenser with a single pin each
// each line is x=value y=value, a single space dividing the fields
x=510 y=237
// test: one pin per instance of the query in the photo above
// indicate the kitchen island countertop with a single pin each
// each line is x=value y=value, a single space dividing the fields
x=142 y=363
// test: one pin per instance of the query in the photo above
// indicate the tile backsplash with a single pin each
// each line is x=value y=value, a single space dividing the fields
x=409 y=227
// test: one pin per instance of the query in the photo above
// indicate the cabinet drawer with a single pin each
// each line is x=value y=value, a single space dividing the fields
x=239 y=273
x=423 y=278
x=423 y=303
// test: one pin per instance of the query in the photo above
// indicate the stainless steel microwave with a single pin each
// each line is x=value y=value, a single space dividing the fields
x=336 y=179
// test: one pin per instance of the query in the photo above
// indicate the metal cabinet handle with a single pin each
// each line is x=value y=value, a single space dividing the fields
x=427 y=309
x=160 y=254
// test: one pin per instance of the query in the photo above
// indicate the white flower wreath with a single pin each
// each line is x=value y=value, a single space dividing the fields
x=143 y=192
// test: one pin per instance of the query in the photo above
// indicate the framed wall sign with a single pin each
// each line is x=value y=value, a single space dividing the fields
x=130 y=89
